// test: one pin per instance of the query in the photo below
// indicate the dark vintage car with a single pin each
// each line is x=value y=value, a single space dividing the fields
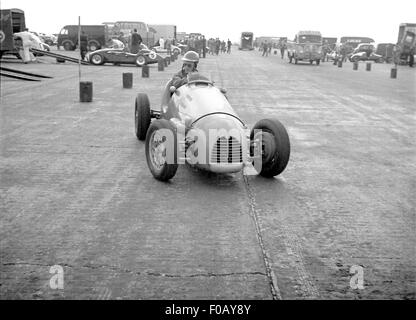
x=365 y=52
x=122 y=56
x=196 y=124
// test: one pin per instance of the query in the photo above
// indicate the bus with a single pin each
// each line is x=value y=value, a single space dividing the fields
x=246 y=41
x=123 y=29
x=12 y=21
x=355 y=41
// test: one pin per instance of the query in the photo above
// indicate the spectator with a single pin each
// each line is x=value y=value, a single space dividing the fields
x=83 y=48
x=162 y=43
x=136 y=40
x=265 y=49
x=168 y=46
x=115 y=44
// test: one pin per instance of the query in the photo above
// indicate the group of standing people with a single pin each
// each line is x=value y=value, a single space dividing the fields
x=215 y=46
x=266 y=48
x=197 y=44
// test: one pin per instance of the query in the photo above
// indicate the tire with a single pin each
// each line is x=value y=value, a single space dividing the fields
x=157 y=151
x=140 y=60
x=68 y=45
x=318 y=62
x=176 y=51
x=97 y=59
x=93 y=45
x=142 y=116
x=275 y=146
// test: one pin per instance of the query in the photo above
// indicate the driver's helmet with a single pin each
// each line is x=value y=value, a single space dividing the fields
x=191 y=56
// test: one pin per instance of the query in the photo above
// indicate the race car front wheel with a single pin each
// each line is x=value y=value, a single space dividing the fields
x=161 y=149
x=142 y=116
x=140 y=61
x=274 y=146
x=97 y=59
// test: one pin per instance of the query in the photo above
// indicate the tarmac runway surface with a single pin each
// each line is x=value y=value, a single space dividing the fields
x=76 y=190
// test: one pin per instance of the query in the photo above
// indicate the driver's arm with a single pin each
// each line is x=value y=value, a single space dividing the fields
x=179 y=81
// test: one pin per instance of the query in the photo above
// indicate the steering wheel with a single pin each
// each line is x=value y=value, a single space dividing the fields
x=198 y=79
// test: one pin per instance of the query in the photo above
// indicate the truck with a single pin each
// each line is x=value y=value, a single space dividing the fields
x=246 y=42
x=307 y=46
x=97 y=36
x=12 y=21
x=406 y=41
x=167 y=31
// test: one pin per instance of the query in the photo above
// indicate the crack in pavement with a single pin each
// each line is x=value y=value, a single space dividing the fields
x=275 y=291
x=155 y=274
x=292 y=246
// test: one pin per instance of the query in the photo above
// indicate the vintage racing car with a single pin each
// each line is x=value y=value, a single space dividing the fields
x=197 y=125
x=174 y=49
x=122 y=56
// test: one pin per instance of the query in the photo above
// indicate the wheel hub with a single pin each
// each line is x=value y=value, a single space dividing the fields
x=157 y=151
x=268 y=146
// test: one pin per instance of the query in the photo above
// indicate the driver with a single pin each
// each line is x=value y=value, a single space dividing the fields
x=190 y=62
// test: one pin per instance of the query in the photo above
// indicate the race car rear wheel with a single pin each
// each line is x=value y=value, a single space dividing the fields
x=140 y=61
x=97 y=59
x=161 y=149
x=141 y=116
x=275 y=146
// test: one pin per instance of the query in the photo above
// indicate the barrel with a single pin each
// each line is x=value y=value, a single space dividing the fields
x=355 y=65
x=393 y=73
x=145 y=71
x=127 y=80
x=160 y=65
x=85 y=91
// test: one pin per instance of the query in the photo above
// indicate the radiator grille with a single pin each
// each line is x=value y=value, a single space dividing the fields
x=227 y=151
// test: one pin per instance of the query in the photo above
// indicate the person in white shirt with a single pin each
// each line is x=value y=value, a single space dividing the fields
x=115 y=44
x=28 y=40
x=162 y=43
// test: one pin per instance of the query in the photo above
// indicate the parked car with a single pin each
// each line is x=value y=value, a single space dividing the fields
x=174 y=49
x=365 y=52
x=197 y=125
x=122 y=56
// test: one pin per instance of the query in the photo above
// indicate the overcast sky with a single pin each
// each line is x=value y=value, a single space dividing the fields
x=228 y=18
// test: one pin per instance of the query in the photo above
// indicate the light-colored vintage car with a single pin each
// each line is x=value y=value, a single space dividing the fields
x=174 y=49
x=196 y=125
